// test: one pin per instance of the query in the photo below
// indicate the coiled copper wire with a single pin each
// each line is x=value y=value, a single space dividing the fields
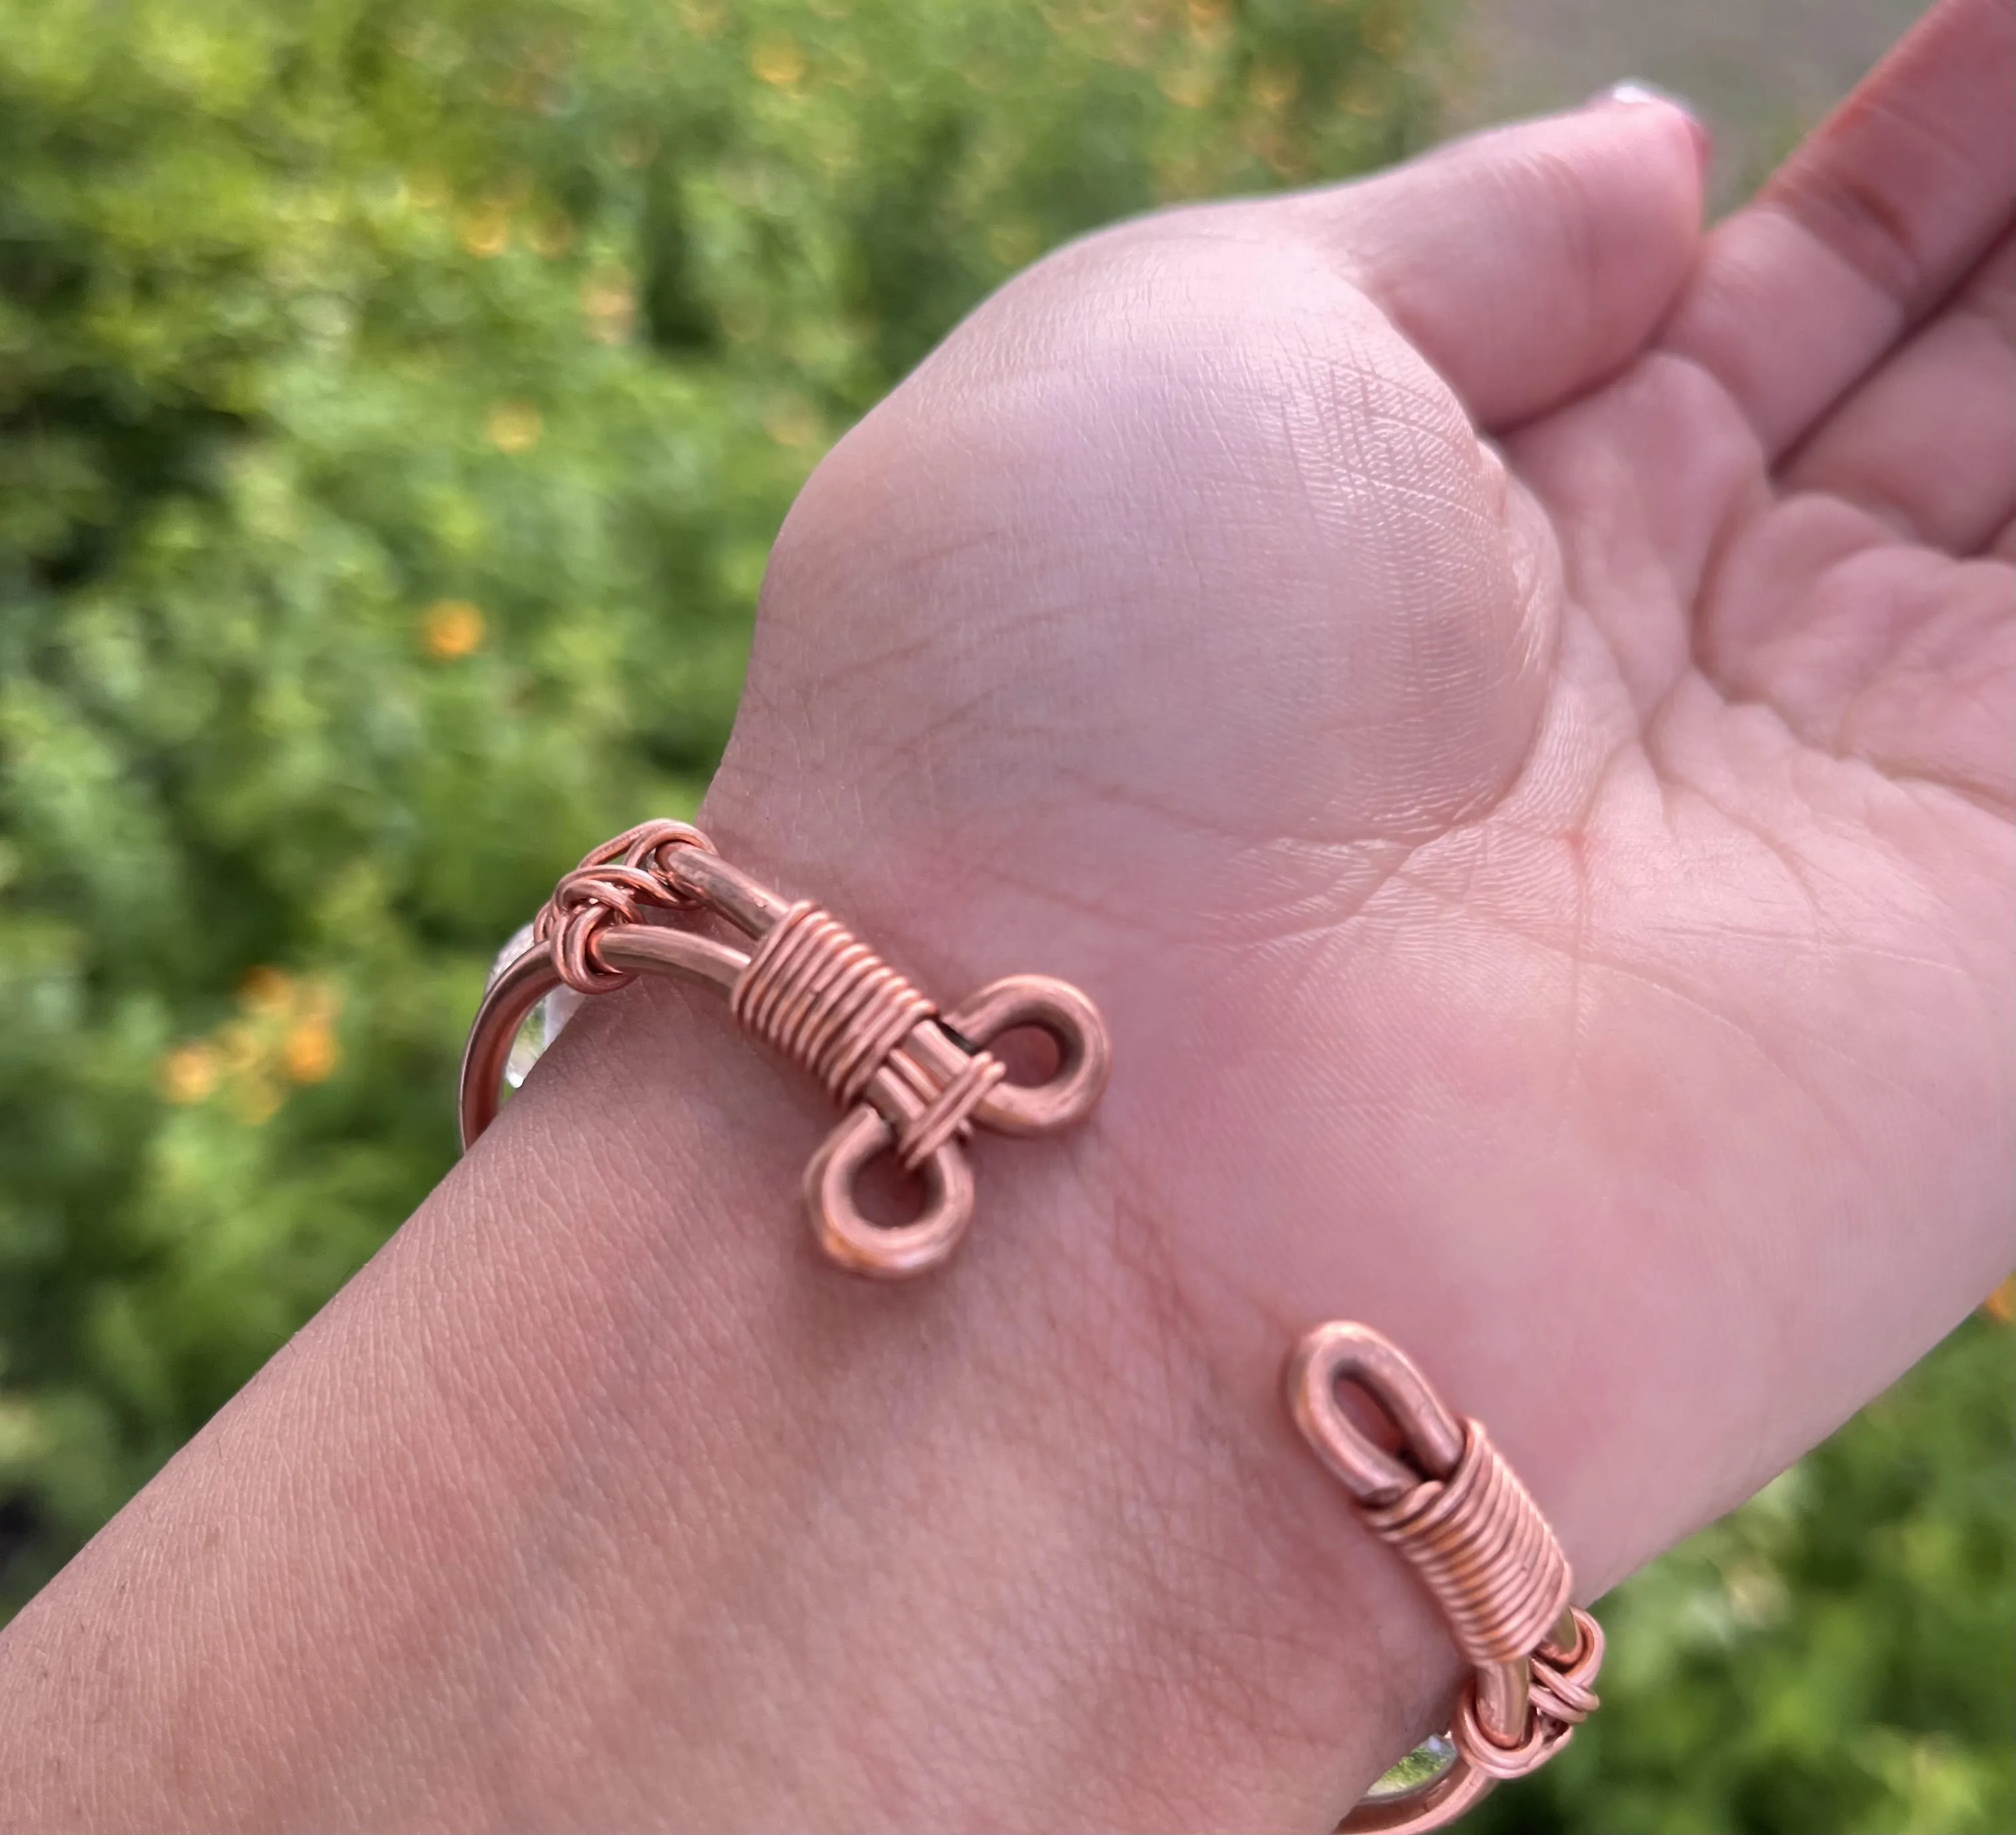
x=816 y=993
x=1447 y=1501
x=946 y=1114
x=1479 y=1540
x=915 y=1084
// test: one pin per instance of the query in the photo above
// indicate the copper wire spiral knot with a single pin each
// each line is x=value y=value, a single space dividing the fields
x=816 y=993
x=620 y=882
x=1479 y=1540
x=1560 y=1700
x=1561 y=1690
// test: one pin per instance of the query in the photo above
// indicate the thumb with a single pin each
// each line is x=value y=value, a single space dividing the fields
x=1527 y=263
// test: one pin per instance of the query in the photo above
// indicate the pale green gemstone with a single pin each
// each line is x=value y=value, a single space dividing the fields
x=1422 y=1766
x=544 y=1022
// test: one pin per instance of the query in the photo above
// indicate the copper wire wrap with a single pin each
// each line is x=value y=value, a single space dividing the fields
x=1484 y=1550
x=1449 y=1503
x=815 y=992
x=914 y=1083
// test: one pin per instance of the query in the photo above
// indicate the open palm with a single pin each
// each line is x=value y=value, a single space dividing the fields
x=1508 y=704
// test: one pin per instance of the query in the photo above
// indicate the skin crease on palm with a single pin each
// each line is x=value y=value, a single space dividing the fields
x=1508 y=701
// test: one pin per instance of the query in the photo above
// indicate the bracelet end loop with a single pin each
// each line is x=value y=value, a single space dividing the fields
x=907 y=1083
x=1447 y=1501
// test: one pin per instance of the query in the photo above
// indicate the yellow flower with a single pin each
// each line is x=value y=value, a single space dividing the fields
x=1210 y=19
x=2001 y=1304
x=514 y=427
x=484 y=230
x=309 y=1050
x=704 y=19
x=452 y=629
x=778 y=59
x=791 y=421
x=189 y=1073
x=610 y=304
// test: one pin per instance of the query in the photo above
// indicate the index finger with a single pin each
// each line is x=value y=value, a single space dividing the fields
x=1865 y=229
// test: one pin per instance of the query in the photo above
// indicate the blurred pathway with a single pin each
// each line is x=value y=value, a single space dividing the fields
x=1760 y=71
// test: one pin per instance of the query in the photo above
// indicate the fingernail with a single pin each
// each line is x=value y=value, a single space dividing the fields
x=1635 y=92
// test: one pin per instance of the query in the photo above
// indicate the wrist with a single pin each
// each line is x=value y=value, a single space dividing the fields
x=599 y=1495
x=1006 y=1544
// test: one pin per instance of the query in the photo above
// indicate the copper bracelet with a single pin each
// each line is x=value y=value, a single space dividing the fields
x=914 y=1082
x=1449 y=1503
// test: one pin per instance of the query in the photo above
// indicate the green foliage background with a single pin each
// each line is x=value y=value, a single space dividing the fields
x=397 y=400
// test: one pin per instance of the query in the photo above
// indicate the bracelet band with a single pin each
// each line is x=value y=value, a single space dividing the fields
x=914 y=1082
x=1450 y=1504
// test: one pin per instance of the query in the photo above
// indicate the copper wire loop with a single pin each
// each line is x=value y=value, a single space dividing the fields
x=1561 y=1700
x=1451 y=1505
x=914 y=1085
x=620 y=882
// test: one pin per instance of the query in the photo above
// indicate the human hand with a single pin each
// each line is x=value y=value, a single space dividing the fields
x=1508 y=706
x=1551 y=895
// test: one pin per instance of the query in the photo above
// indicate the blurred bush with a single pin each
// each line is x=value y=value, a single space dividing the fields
x=1837 y=1657
x=397 y=400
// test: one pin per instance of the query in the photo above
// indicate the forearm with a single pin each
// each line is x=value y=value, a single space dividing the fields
x=599 y=1499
